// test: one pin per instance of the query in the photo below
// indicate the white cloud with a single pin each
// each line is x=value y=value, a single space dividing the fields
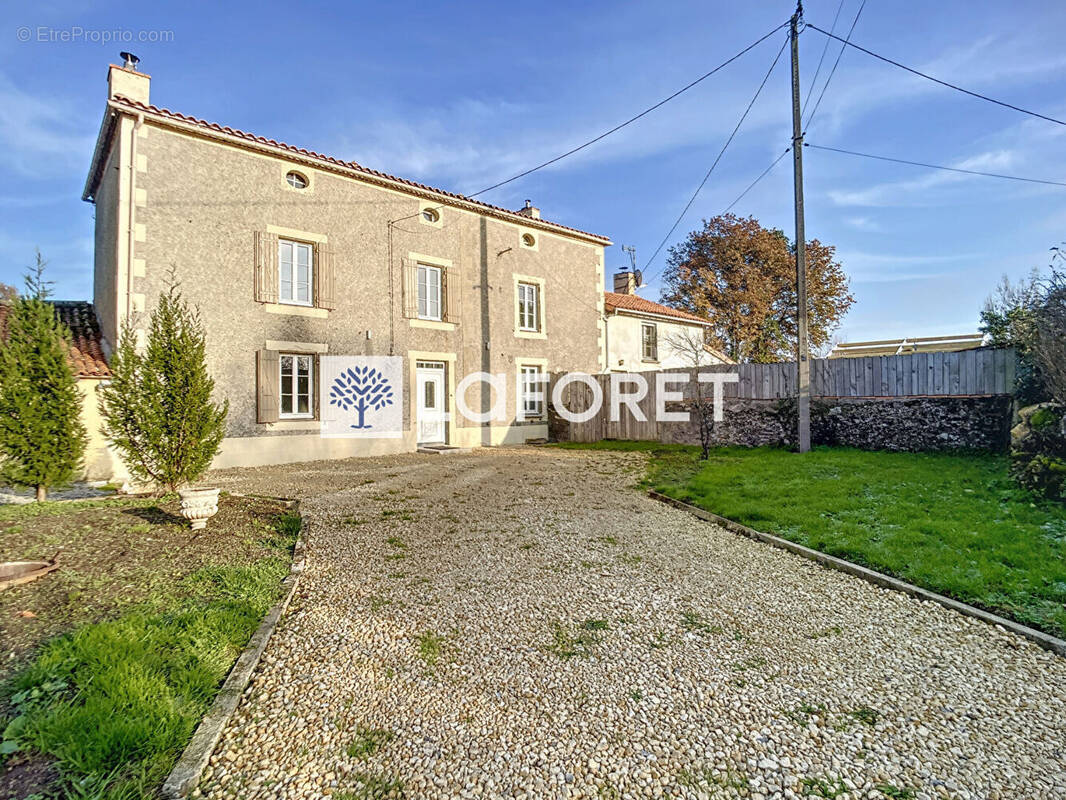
x=40 y=138
x=916 y=191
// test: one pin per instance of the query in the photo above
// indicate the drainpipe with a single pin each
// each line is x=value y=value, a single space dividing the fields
x=132 y=216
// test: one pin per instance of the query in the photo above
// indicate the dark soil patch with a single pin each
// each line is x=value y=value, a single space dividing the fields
x=22 y=776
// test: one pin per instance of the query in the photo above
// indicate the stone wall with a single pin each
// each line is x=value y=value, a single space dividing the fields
x=912 y=424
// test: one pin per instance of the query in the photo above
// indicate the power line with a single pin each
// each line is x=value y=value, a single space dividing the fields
x=836 y=64
x=825 y=49
x=936 y=166
x=937 y=80
x=718 y=158
x=631 y=120
x=751 y=185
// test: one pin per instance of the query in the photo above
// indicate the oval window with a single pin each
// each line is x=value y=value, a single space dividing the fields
x=296 y=180
x=430 y=215
x=528 y=240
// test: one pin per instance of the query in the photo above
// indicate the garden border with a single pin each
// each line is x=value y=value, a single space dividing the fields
x=185 y=775
x=1044 y=640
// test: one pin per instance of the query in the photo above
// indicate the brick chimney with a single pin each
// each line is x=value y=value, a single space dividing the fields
x=625 y=282
x=127 y=81
x=530 y=211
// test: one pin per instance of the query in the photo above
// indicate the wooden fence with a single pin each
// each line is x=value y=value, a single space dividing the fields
x=969 y=373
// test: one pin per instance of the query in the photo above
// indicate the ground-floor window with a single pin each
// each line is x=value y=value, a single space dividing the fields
x=532 y=388
x=297 y=385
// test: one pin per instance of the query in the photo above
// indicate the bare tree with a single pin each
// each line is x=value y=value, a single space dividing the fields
x=690 y=347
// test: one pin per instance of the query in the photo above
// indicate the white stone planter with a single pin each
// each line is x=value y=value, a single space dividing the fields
x=198 y=505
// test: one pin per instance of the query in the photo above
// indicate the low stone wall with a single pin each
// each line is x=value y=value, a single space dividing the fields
x=912 y=424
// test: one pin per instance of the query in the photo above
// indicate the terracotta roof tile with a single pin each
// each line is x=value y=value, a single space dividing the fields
x=632 y=302
x=86 y=351
x=352 y=165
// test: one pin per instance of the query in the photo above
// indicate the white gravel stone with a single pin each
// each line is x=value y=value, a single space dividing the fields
x=525 y=623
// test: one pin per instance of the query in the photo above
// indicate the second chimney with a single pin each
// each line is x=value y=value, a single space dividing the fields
x=530 y=211
x=625 y=282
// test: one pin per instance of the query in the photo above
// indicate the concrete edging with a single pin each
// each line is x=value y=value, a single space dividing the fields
x=1044 y=640
x=185 y=775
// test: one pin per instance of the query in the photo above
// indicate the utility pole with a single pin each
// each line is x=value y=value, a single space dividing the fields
x=803 y=363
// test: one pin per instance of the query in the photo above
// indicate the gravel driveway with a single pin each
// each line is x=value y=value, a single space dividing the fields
x=524 y=623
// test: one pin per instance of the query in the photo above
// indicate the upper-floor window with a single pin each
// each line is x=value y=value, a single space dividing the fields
x=649 y=341
x=296 y=180
x=528 y=306
x=297 y=386
x=295 y=268
x=529 y=240
x=429 y=292
x=431 y=215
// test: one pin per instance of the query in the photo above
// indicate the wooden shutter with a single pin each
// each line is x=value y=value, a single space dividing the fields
x=267 y=381
x=410 y=288
x=325 y=276
x=266 y=267
x=450 y=292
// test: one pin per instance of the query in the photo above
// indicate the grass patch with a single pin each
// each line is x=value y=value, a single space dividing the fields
x=865 y=715
x=111 y=703
x=368 y=741
x=954 y=523
x=567 y=644
x=821 y=787
x=896 y=792
x=429 y=647
x=115 y=702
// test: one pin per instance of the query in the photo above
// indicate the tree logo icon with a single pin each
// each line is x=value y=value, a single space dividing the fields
x=361 y=389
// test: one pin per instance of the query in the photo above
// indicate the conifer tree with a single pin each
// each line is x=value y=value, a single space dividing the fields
x=42 y=438
x=158 y=409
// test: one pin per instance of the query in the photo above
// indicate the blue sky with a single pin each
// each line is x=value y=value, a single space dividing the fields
x=461 y=95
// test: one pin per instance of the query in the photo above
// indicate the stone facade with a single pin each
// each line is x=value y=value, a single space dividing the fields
x=176 y=193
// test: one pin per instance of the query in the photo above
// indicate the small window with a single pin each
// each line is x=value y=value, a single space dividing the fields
x=529 y=240
x=295 y=267
x=297 y=386
x=431 y=215
x=528 y=307
x=532 y=391
x=649 y=340
x=429 y=292
x=296 y=180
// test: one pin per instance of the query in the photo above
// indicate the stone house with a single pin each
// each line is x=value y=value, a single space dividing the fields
x=644 y=336
x=291 y=255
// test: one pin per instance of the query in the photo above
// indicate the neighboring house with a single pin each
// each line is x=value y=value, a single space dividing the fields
x=897 y=347
x=291 y=255
x=87 y=359
x=644 y=336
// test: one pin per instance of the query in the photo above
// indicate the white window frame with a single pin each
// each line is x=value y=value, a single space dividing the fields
x=294 y=378
x=531 y=310
x=644 y=326
x=424 y=298
x=532 y=408
x=295 y=247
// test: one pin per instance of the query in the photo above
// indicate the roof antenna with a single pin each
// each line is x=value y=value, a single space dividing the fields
x=129 y=60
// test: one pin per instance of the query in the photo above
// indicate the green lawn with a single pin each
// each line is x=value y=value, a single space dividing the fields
x=952 y=523
x=104 y=710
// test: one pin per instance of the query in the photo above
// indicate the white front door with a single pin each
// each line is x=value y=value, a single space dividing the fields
x=431 y=402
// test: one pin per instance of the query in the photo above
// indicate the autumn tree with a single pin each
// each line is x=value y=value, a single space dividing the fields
x=742 y=278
